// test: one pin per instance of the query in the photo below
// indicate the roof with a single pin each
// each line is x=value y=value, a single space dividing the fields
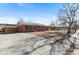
x=50 y=25
x=30 y=23
x=61 y=26
x=8 y=24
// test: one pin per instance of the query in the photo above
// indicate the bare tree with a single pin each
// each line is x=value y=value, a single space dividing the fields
x=68 y=16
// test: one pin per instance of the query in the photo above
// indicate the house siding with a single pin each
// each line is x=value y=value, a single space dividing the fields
x=9 y=29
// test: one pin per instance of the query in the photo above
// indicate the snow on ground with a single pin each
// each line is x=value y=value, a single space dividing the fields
x=76 y=35
x=25 y=43
x=8 y=40
x=19 y=43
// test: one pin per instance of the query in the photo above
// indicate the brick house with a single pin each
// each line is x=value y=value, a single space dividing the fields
x=23 y=26
x=30 y=27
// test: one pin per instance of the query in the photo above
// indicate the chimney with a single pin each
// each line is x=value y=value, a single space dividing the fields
x=21 y=22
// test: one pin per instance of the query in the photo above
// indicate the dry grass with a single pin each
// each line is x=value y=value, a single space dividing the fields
x=48 y=34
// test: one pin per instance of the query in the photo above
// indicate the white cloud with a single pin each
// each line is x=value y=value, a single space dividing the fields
x=26 y=5
x=8 y=20
x=44 y=19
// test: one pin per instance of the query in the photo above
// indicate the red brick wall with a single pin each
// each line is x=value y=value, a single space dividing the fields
x=40 y=28
x=22 y=28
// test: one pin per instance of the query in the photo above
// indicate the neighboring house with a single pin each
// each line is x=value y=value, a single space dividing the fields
x=8 y=28
x=60 y=27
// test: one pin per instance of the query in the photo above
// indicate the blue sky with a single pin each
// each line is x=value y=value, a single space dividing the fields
x=34 y=12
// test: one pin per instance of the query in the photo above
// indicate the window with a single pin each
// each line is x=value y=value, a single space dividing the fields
x=30 y=28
